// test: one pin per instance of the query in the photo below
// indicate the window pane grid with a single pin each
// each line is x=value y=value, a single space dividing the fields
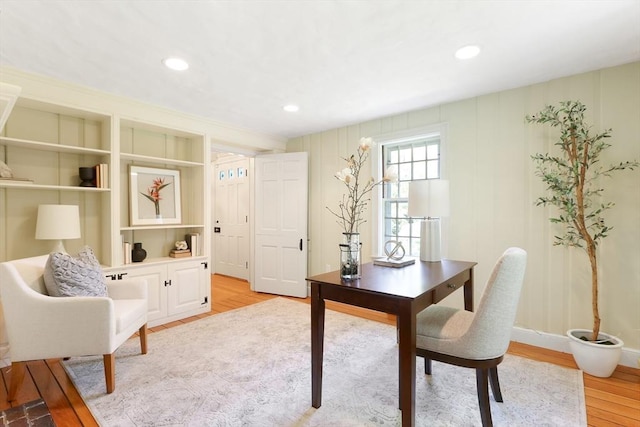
x=415 y=160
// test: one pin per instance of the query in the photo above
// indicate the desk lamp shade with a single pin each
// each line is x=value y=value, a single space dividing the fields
x=58 y=222
x=429 y=199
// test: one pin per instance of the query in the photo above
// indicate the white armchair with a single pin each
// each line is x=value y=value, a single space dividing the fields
x=43 y=327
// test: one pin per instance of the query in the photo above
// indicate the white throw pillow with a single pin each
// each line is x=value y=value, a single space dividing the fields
x=66 y=276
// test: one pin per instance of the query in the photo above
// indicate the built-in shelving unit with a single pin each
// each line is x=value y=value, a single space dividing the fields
x=45 y=144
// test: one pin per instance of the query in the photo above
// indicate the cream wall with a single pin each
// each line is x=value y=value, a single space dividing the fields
x=493 y=192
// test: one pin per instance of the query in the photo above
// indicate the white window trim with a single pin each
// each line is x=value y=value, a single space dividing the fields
x=405 y=135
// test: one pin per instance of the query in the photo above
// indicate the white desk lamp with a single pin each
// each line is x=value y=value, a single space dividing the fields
x=58 y=222
x=429 y=199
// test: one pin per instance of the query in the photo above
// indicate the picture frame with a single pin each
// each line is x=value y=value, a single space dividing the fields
x=154 y=196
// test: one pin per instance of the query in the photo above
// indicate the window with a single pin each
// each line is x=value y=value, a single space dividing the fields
x=414 y=159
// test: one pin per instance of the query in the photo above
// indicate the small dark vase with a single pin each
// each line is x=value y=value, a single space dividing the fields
x=88 y=177
x=137 y=253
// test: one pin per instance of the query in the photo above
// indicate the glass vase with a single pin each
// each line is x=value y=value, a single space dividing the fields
x=350 y=259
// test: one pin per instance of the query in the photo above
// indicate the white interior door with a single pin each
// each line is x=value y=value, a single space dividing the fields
x=231 y=219
x=281 y=224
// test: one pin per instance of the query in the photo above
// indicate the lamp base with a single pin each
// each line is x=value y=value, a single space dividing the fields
x=430 y=247
x=59 y=247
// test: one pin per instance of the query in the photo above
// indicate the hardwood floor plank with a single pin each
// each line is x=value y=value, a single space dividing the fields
x=595 y=414
x=75 y=400
x=59 y=406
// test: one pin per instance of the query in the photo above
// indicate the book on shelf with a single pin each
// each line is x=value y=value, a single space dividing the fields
x=180 y=253
x=193 y=242
x=126 y=253
x=102 y=175
x=385 y=262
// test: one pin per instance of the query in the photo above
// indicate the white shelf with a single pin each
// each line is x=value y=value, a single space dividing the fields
x=154 y=261
x=31 y=186
x=160 y=226
x=160 y=160
x=47 y=146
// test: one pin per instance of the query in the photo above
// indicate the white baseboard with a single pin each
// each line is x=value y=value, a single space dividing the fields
x=630 y=357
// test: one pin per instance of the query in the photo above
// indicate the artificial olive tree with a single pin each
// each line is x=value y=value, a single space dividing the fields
x=572 y=177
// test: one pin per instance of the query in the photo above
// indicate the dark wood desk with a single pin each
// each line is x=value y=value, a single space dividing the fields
x=401 y=291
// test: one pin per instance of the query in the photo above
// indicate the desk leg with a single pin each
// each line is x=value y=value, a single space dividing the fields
x=317 y=343
x=407 y=365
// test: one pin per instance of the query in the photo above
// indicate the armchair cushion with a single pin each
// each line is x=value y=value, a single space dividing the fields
x=66 y=276
x=128 y=311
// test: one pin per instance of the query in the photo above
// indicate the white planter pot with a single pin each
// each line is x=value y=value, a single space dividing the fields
x=595 y=359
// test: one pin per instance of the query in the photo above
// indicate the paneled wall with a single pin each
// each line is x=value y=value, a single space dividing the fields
x=493 y=191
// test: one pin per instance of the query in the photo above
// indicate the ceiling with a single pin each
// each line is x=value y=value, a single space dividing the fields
x=342 y=62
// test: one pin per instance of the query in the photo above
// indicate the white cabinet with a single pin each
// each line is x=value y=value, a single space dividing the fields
x=176 y=289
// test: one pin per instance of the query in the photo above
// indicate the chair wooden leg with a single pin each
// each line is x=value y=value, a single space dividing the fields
x=17 y=375
x=110 y=371
x=495 y=384
x=427 y=366
x=143 y=338
x=482 y=381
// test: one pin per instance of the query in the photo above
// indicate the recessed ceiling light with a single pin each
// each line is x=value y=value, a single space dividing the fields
x=467 y=52
x=291 y=108
x=175 y=63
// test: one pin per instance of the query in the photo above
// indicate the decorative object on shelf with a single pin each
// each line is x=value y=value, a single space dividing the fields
x=429 y=199
x=181 y=250
x=88 y=177
x=353 y=205
x=6 y=175
x=138 y=254
x=574 y=186
x=149 y=203
x=5 y=171
x=58 y=222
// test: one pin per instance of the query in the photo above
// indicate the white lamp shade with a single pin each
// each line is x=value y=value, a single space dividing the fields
x=58 y=222
x=429 y=198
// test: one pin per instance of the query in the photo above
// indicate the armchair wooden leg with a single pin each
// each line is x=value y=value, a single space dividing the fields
x=17 y=375
x=495 y=384
x=143 y=338
x=482 y=381
x=110 y=371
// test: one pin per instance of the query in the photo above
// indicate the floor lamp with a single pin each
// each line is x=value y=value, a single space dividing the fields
x=58 y=222
x=429 y=199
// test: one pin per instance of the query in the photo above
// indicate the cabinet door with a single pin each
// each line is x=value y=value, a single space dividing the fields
x=155 y=277
x=184 y=293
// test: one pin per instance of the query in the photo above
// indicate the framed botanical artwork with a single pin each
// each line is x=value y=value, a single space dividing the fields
x=154 y=196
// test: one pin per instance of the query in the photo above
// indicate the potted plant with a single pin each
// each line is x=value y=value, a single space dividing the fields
x=572 y=180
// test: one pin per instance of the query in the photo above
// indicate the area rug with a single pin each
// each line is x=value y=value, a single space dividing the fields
x=252 y=367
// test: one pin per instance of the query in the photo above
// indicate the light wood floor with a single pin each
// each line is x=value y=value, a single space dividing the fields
x=613 y=401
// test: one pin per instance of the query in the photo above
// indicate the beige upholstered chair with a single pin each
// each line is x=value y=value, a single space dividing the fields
x=44 y=327
x=476 y=340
